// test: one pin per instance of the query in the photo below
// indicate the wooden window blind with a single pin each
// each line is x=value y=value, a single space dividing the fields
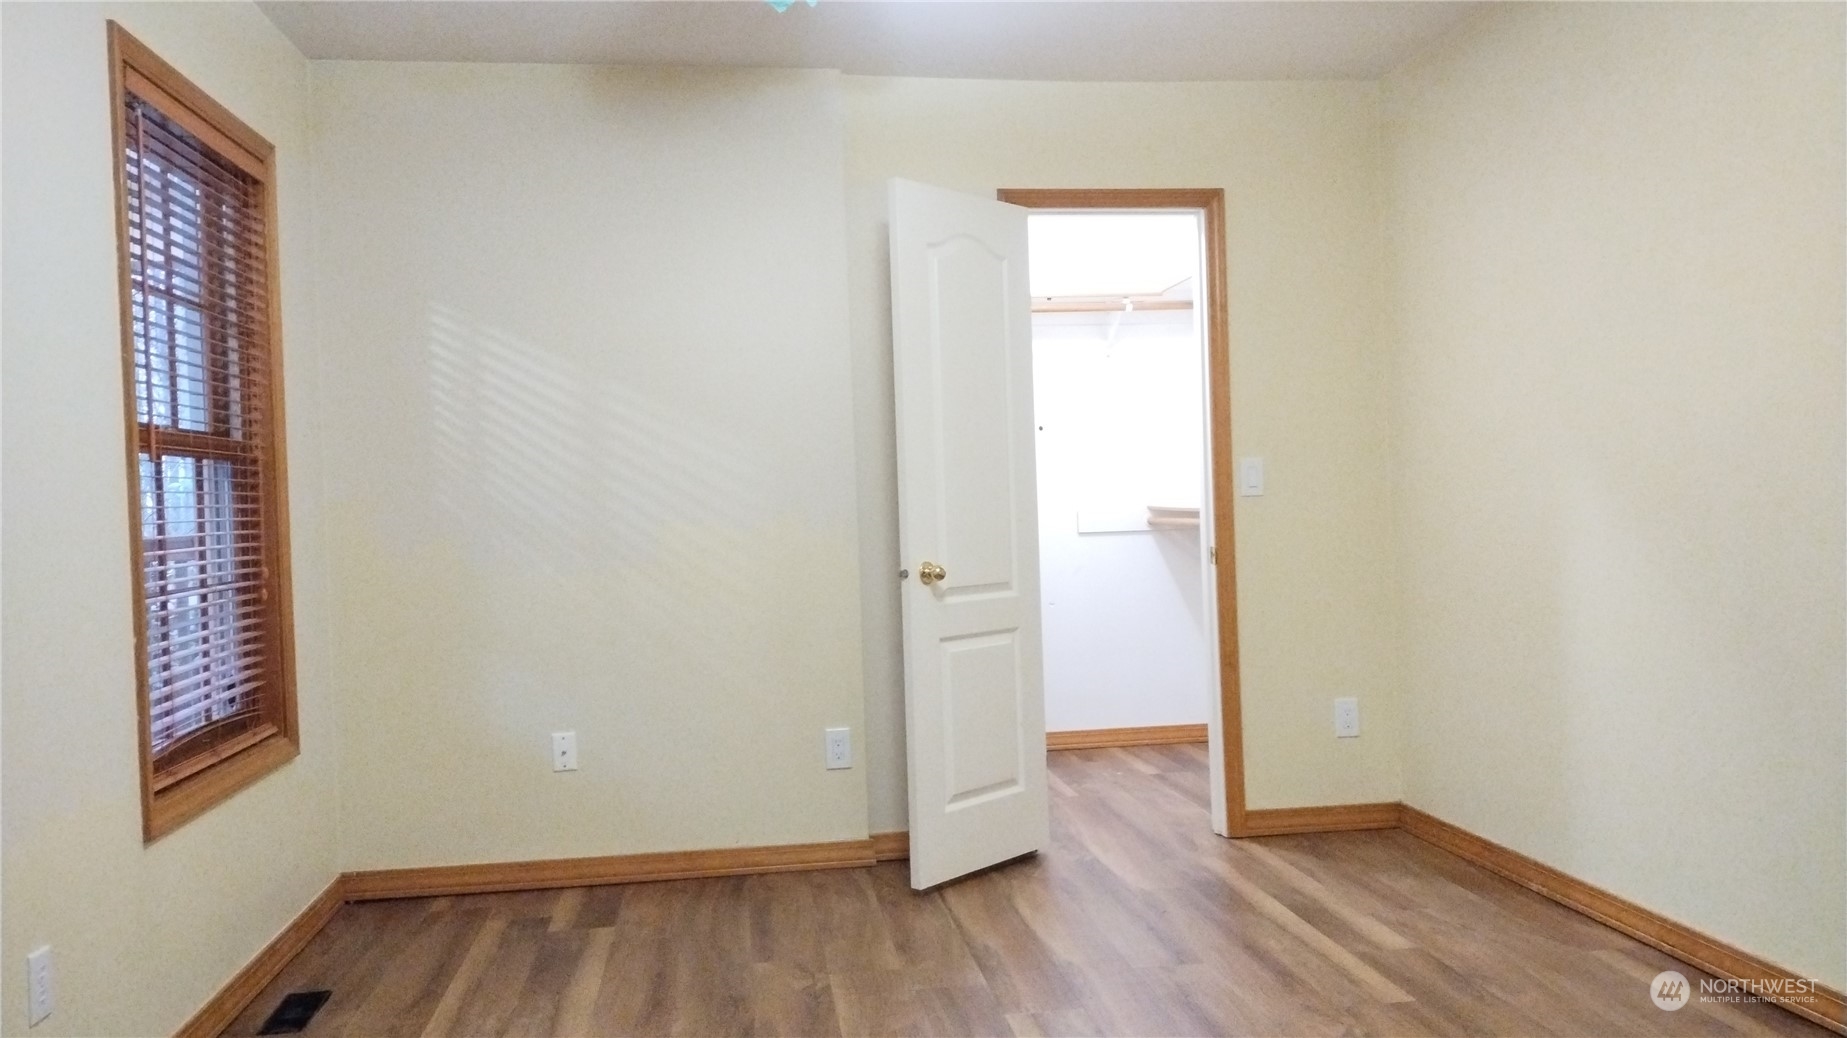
x=200 y=346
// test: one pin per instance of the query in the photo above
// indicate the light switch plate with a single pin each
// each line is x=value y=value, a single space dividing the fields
x=1250 y=477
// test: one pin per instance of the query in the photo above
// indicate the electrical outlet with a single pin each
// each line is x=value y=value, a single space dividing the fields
x=1346 y=718
x=839 y=748
x=38 y=986
x=564 y=751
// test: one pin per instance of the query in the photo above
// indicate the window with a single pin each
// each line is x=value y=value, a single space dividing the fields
x=196 y=230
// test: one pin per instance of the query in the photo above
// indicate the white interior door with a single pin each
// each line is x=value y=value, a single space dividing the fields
x=974 y=690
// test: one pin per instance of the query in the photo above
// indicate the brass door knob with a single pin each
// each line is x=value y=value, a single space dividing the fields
x=930 y=573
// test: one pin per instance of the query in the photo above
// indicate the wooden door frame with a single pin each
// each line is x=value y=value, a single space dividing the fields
x=1210 y=203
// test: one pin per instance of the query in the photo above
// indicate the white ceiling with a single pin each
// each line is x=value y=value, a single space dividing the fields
x=976 y=39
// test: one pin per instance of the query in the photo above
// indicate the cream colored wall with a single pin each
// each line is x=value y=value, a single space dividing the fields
x=1299 y=164
x=141 y=936
x=593 y=458
x=1618 y=240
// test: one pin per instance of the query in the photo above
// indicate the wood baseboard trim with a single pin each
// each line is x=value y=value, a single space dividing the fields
x=1336 y=818
x=1651 y=928
x=494 y=877
x=892 y=846
x=1101 y=738
x=249 y=982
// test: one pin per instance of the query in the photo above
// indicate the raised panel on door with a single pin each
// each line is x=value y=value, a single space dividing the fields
x=981 y=730
x=969 y=310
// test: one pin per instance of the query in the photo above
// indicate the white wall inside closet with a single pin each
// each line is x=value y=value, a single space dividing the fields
x=1119 y=409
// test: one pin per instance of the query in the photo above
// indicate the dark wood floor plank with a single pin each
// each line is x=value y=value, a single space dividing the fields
x=876 y=1002
x=961 y=1010
x=564 y=913
x=1139 y=1002
x=576 y=1006
x=1075 y=904
x=1355 y=917
x=406 y=993
x=638 y=984
x=1133 y=920
x=482 y=948
x=855 y=933
x=1065 y=1023
x=489 y=1008
x=791 y=1001
x=1020 y=969
x=535 y=1007
x=923 y=933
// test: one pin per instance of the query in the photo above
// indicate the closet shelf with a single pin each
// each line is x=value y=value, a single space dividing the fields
x=1172 y=516
x=1106 y=304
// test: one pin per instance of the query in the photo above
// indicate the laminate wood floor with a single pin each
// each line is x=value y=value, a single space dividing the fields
x=1136 y=921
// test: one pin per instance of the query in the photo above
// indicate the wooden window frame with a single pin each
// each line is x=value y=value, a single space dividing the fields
x=225 y=769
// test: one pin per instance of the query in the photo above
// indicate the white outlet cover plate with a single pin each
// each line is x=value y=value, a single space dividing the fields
x=839 y=748
x=1346 y=718
x=564 y=751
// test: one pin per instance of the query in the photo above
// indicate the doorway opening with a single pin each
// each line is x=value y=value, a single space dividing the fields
x=1138 y=595
x=962 y=376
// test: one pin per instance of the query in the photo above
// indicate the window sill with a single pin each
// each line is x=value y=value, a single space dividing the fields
x=174 y=806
